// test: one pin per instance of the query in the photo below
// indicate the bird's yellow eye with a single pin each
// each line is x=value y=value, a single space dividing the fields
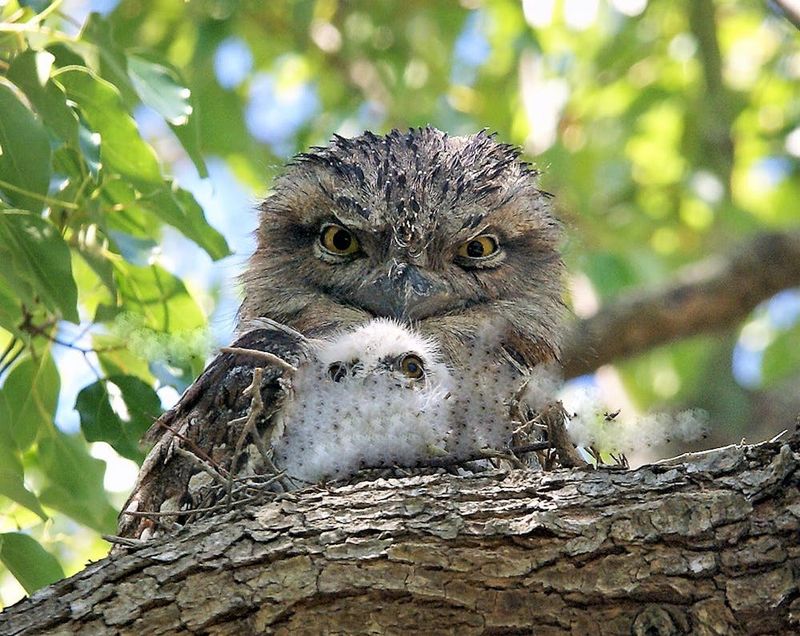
x=479 y=247
x=337 y=240
x=412 y=367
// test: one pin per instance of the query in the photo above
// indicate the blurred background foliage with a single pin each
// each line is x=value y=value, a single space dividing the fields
x=137 y=137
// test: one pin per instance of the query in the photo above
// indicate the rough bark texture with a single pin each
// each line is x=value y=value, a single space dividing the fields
x=713 y=295
x=705 y=544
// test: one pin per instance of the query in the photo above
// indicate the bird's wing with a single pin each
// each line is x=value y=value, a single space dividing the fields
x=206 y=425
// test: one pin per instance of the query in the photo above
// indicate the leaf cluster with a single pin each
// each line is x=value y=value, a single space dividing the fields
x=84 y=198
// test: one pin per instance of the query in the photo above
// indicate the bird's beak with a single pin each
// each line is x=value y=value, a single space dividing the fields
x=398 y=292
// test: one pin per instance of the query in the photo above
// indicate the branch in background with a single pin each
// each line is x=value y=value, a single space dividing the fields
x=789 y=9
x=715 y=116
x=713 y=295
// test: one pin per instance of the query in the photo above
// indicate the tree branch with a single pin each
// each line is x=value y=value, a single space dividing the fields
x=790 y=9
x=703 y=544
x=715 y=115
x=713 y=295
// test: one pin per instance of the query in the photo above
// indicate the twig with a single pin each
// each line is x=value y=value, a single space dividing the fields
x=177 y=513
x=779 y=435
x=451 y=460
x=196 y=450
x=260 y=485
x=530 y=448
x=790 y=10
x=22 y=28
x=554 y=417
x=197 y=462
x=126 y=541
x=266 y=356
x=256 y=409
x=490 y=453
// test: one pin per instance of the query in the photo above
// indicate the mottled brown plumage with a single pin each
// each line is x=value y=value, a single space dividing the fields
x=411 y=199
x=207 y=422
x=448 y=234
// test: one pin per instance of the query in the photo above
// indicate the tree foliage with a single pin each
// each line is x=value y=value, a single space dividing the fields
x=667 y=130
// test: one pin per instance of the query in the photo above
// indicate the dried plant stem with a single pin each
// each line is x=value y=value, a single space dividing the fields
x=261 y=355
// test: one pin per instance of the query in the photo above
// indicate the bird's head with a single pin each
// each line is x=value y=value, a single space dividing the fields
x=443 y=231
x=382 y=347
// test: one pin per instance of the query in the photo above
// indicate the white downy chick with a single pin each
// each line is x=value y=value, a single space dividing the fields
x=374 y=396
x=480 y=406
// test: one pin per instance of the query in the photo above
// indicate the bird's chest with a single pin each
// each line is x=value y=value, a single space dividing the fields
x=329 y=429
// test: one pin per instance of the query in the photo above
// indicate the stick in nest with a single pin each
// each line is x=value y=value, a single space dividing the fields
x=555 y=417
x=264 y=356
x=250 y=421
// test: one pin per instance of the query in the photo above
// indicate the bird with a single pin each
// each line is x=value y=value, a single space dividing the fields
x=380 y=396
x=376 y=396
x=450 y=234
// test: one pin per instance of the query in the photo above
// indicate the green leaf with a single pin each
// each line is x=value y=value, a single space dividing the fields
x=160 y=298
x=30 y=70
x=189 y=136
x=128 y=216
x=120 y=361
x=136 y=78
x=12 y=484
x=159 y=88
x=12 y=481
x=37 y=5
x=37 y=260
x=99 y=421
x=137 y=215
x=10 y=311
x=13 y=487
x=31 y=390
x=180 y=209
x=75 y=481
x=89 y=143
x=28 y=561
x=105 y=57
x=24 y=153
x=122 y=150
x=102 y=267
x=137 y=251
x=65 y=55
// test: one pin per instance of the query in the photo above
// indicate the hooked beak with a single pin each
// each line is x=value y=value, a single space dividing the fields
x=398 y=293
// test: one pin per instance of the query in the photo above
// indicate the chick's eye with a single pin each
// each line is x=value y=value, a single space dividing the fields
x=338 y=240
x=479 y=247
x=337 y=371
x=412 y=367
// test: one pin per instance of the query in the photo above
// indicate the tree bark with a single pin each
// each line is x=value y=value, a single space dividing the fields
x=713 y=295
x=702 y=544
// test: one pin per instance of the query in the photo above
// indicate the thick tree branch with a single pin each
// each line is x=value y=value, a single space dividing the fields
x=713 y=295
x=704 y=544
